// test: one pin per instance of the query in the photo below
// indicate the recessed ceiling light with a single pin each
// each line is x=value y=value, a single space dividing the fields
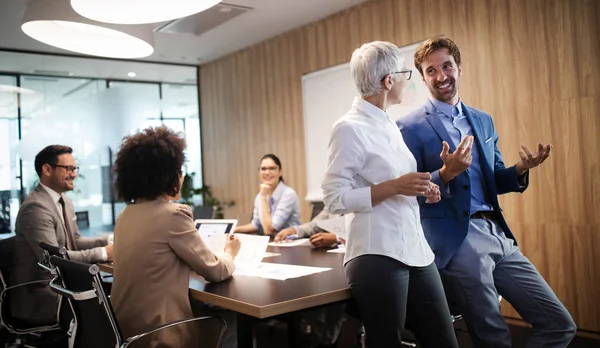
x=56 y=24
x=131 y=74
x=139 y=12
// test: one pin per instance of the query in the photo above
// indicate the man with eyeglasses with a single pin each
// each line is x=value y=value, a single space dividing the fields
x=47 y=215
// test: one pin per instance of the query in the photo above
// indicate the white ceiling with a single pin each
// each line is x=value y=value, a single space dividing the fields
x=268 y=18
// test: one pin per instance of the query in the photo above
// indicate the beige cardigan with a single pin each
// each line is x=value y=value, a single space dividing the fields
x=156 y=247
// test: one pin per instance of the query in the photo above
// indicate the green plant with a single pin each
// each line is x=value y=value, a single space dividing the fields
x=188 y=191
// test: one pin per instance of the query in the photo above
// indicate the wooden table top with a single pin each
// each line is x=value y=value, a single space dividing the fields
x=263 y=298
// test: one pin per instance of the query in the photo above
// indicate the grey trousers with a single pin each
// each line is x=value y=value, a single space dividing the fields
x=387 y=291
x=488 y=264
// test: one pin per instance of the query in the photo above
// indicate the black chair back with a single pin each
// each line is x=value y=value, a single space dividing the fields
x=95 y=324
x=6 y=260
x=317 y=207
x=51 y=250
x=54 y=250
x=206 y=212
x=6 y=265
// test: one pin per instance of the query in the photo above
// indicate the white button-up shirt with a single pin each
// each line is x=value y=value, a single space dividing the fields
x=55 y=198
x=366 y=149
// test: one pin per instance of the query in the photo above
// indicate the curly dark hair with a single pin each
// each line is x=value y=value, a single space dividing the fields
x=149 y=164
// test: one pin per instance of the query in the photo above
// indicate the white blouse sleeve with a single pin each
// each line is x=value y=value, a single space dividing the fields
x=346 y=158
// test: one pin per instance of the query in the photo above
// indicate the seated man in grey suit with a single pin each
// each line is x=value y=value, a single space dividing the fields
x=48 y=216
x=318 y=236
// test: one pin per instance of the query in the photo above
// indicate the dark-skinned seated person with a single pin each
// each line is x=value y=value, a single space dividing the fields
x=156 y=245
x=320 y=327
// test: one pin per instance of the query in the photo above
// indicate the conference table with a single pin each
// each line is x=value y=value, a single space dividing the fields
x=255 y=299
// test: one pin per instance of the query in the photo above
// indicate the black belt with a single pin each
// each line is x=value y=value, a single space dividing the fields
x=485 y=215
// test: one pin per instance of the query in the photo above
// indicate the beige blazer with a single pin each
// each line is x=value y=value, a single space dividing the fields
x=38 y=221
x=156 y=248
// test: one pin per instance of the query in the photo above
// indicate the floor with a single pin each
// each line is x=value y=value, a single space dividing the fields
x=268 y=338
x=275 y=337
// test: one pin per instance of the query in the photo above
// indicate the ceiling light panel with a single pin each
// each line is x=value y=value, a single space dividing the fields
x=55 y=23
x=139 y=11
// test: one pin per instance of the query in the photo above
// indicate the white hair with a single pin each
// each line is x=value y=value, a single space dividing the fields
x=371 y=63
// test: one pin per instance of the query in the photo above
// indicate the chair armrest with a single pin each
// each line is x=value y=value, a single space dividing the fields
x=25 y=284
x=73 y=295
x=46 y=268
x=132 y=339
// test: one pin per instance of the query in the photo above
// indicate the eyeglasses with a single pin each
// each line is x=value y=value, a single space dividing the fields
x=68 y=169
x=270 y=169
x=406 y=71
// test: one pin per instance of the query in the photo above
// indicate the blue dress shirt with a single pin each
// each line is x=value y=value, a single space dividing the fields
x=458 y=127
x=285 y=209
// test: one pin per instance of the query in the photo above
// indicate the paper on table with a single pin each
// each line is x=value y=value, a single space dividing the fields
x=292 y=243
x=216 y=242
x=252 y=250
x=337 y=226
x=279 y=271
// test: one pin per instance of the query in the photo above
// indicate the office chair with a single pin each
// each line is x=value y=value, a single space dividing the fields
x=204 y=212
x=95 y=323
x=317 y=207
x=22 y=330
x=49 y=250
x=54 y=250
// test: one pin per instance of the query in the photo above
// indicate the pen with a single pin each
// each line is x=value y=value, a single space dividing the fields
x=292 y=237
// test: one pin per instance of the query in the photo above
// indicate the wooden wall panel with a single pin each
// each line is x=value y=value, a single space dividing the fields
x=532 y=64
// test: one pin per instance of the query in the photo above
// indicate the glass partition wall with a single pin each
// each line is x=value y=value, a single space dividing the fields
x=91 y=115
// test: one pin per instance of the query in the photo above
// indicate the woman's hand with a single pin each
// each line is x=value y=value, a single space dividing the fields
x=433 y=193
x=413 y=184
x=265 y=189
x=232 y=246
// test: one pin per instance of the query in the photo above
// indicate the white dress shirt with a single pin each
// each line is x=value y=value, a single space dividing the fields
x=55 y=198
x=365 y=149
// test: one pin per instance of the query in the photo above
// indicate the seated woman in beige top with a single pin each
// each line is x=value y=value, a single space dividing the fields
x=156 y=244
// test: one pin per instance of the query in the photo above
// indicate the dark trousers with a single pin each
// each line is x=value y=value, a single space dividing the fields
x=387 y=291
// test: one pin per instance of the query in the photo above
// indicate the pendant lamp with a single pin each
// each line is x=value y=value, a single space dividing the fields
x=139 y=11
x=54 y=22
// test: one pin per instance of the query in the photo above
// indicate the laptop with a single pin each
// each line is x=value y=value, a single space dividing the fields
x=215 y=225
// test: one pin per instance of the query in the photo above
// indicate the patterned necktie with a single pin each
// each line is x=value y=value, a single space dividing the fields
x=455 y=112
x=69 y=236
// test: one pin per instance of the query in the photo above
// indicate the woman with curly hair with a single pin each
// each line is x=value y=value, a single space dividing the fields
x=156 y=244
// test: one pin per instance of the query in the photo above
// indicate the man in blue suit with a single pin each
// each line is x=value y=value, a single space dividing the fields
x=474 y=248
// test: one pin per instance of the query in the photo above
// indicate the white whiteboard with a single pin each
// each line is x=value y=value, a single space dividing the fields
x=326 y=96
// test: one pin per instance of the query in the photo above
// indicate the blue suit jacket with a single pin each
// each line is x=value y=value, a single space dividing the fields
x=446 y=223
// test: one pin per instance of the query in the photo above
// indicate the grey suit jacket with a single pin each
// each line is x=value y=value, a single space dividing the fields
x=39 y=220
x=310 y=228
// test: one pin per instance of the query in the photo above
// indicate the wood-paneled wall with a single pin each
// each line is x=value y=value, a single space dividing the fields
x=532 y=64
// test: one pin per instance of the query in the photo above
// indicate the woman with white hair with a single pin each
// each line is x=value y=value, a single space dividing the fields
x=372 y=173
